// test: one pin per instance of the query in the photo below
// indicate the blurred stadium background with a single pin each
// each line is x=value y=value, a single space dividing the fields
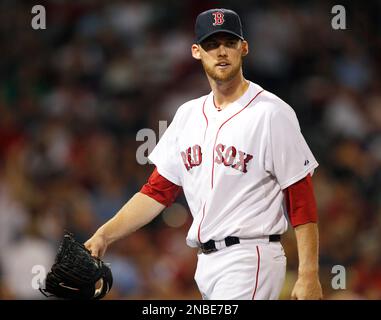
x=74 y=96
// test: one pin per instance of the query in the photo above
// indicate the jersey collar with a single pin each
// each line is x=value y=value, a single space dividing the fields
x=232 y=108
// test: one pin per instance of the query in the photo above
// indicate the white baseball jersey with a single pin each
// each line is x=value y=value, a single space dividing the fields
x=233 y=164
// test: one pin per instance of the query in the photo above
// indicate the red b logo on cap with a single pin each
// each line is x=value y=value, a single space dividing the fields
x=218 y=18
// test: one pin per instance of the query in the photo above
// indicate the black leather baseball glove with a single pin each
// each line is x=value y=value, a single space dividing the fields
x=76 y=274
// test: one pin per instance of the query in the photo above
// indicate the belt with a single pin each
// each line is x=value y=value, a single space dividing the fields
x=211 y=245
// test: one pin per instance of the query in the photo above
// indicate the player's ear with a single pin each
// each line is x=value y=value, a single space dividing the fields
x=196 y=51
x=244 y=48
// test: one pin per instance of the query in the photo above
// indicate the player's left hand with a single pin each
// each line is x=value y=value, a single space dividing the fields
x=307 y=287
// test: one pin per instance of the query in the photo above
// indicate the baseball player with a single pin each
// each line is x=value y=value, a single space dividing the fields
x=243 y=164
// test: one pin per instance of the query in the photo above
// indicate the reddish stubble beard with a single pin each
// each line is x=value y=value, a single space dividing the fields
x=222 y=76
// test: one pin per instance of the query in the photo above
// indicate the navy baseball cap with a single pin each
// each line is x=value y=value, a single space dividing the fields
x=217 y=20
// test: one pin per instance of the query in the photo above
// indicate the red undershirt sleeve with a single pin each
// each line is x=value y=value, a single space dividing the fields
x=301 y=203
x=161 y=189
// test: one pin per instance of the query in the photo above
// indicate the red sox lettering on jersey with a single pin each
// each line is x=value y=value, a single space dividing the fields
x=228 y=156
x=192 y=157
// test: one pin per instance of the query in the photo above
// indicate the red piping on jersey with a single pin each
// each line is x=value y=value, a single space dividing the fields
x=203 y=111
x=257 y=276
x=202 y=219
x=215 y=141
x=217 y=107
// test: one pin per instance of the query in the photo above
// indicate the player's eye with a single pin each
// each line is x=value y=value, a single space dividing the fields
x=231 y=43
x=210 y=45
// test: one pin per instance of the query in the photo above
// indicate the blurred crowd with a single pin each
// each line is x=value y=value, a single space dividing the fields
x=74 y=96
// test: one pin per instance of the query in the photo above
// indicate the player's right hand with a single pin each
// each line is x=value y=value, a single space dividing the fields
x=97 y=245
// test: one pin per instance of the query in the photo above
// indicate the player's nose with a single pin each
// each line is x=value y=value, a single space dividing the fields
x=222 y=50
